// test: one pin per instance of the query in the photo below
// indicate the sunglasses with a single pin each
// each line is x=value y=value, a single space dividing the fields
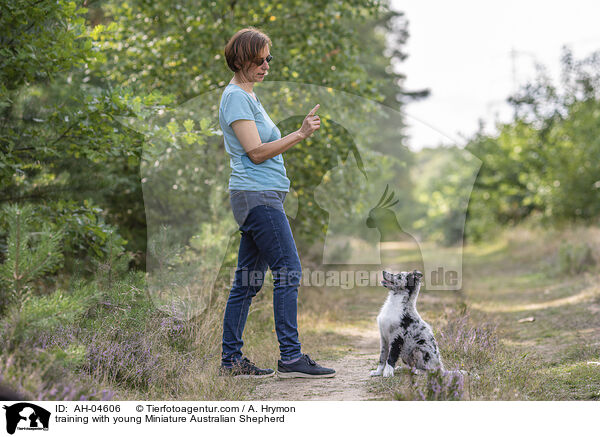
x=262 y=60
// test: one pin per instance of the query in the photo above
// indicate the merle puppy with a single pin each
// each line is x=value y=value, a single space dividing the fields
x=403 y=332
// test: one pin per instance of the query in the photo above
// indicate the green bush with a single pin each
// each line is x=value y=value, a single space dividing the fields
x=42 y=316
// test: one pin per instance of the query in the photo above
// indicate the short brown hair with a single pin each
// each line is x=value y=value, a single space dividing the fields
x=245 y=46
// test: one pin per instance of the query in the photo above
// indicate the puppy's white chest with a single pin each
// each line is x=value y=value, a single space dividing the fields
x=391 y=312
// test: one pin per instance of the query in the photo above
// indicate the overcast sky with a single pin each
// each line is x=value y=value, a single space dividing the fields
x=460 y=50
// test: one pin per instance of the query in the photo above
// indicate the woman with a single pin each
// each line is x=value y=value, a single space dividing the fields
x=258 y=185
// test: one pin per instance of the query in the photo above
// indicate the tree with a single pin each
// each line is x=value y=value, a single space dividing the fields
x=55 y=137
x=62 y=146
x=179 y=50
x=23 y=263
x=544 y=162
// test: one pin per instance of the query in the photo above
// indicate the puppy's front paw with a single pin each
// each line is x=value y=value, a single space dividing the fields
x=388 y=371
x=377 y=372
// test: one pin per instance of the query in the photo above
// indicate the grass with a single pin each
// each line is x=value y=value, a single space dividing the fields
x=89 y=341
x=565 y=333
x=521 y=275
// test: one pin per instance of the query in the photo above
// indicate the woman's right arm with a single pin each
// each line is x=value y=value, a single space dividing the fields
x=247 y=134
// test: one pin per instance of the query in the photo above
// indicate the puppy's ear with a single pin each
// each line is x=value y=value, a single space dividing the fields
x=417 y=274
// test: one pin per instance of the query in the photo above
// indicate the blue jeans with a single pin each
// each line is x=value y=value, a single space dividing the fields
x=267 y=241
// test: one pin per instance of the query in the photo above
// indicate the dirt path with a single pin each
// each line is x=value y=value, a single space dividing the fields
x=349 y=384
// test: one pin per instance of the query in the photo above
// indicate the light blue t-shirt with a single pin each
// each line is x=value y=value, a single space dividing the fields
x=237 y=104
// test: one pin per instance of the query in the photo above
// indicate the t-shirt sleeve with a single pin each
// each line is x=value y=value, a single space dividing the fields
x=237 y=107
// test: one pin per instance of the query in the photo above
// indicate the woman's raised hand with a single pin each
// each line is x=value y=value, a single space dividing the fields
x=311 y=123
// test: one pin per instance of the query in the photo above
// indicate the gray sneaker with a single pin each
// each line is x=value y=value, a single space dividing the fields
x=246 y=369
x=303 y=368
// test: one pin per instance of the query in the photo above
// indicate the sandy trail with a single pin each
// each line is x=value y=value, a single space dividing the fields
x=349 y=384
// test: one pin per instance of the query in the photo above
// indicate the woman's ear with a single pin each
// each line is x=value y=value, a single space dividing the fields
x=242 y=68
